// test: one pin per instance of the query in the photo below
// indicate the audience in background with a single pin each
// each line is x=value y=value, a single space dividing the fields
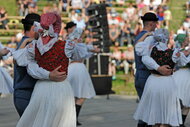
x=129 y=59
x=3 y=18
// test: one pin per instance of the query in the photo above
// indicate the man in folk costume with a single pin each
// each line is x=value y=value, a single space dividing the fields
x=52 y=103
x=150 y=21
x=23 y=82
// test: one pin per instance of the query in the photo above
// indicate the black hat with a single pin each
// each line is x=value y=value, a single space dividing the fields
x=70 y=25
x=149 y=16
x=30 y=18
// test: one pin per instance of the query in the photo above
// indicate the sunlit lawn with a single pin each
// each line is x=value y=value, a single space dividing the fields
x=124 y=84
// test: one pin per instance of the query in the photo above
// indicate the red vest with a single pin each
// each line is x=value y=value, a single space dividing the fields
x=53 y=58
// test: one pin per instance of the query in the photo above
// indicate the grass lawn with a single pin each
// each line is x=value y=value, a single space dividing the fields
x=124 y=84
x=10 y=6
x=177 y=7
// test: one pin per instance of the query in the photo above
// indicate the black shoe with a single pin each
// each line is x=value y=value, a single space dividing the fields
x=78 y=124
x=182 y=125
x=141 y=125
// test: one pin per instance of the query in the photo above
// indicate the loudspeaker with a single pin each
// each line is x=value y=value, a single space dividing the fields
x=94 y=21
x=98 y=64
x=97 y=9
x=102 y=84
x=98 y=23
x=92 y=10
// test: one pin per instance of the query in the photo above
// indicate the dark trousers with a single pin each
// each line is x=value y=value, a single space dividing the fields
x=20 y=105
x=22 y=99
x=140 y=80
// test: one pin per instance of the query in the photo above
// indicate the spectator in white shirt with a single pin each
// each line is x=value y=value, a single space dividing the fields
x=80 y=22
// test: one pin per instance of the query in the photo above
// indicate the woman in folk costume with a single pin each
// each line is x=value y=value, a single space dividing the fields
x=78 y=75
x=159 y=105
x=6 y=85
x=52 y=103
x=181 y=77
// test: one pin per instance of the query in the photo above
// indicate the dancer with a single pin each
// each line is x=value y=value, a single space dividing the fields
x=23 y=82
x=159 y=105
x=52 y=103
x=181 y=77
x=142 y=73
x=70 y=26
x=6 y=85
x=78 y=75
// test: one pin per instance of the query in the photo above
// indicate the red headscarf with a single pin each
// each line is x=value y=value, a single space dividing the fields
x=47 y=20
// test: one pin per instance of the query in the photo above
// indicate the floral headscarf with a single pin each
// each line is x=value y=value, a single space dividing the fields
x=161 y=35
x=49 y=26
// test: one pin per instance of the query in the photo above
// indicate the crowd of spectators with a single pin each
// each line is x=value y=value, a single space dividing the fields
x=27 y=6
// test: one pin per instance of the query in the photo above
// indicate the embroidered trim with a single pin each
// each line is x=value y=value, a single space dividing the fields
x=44 y=48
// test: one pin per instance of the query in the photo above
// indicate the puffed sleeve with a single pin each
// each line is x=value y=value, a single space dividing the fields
x=85 y=51
x=69 y=48
x=77 y=51
x=144 y=48
x=25 y=57
x=183 y=60
x=90 y=47
x=150 y=63
x=176 y=58
x=37 y=72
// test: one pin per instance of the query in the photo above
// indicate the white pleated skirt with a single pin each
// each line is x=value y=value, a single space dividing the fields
x=80 y=81
x=159 y=103
x=182 y=79
x=6 y=82
x=51 y=105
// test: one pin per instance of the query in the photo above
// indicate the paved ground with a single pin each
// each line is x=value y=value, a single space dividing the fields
x=98 y=112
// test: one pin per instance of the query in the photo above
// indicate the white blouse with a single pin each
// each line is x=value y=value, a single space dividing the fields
x=144 y=49
x=25 y=57
x=78 y=51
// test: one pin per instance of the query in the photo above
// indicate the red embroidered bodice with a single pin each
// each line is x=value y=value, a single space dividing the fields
x=53 y=58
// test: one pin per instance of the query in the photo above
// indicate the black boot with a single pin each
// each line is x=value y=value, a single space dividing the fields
x=78 y=124
x=142 y=125
x=183 y=120
x=78 y=107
